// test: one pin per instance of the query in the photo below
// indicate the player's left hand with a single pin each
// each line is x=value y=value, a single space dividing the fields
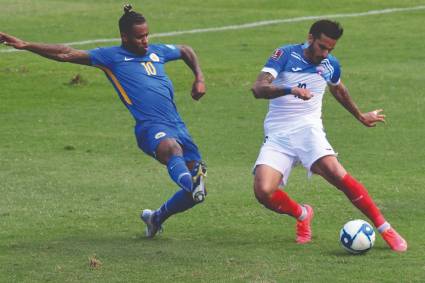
x=198 y=89
x=12 y=41
x=370 y=119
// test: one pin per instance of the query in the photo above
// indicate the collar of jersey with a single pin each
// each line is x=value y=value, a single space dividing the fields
x=134 y=55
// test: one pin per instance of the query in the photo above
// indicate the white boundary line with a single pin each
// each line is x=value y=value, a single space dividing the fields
x=248 y=25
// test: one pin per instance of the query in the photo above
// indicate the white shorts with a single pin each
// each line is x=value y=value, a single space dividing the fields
x=282 y=152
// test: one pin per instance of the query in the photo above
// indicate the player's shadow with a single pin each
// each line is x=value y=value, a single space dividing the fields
x=342 y=253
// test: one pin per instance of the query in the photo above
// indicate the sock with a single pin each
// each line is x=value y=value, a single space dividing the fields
x=384 y=227
x=179 y=173
x=179 y=202
x=303 y=213
x=359 y=196
x=281 y=203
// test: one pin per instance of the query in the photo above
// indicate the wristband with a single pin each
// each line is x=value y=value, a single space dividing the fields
x=287 y=90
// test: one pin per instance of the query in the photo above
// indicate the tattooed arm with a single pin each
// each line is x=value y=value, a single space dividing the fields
x=56 y=52
x=263 y=88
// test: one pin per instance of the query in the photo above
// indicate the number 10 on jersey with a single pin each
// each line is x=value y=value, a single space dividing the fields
x=150 y=68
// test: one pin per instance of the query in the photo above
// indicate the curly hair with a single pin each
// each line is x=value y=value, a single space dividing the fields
x=329 y=28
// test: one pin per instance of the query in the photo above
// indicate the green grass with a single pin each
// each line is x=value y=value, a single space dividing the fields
x=72 y=180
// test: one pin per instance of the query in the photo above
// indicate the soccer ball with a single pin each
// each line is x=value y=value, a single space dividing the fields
x=357 y=236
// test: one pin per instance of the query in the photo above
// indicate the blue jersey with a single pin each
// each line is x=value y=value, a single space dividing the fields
x=141 y=81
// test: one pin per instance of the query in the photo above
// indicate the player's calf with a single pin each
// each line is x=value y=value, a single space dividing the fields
x=179 y=173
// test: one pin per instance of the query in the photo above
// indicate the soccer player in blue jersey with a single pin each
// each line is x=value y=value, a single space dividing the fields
x=294 y=79
x=136 y=70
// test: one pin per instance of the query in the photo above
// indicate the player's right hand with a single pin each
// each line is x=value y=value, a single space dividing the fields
x=301 y=93
x=370 y=119
x=12 y=41
x=198 y=89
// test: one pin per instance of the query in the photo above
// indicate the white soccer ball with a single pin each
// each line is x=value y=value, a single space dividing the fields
x=357 y=236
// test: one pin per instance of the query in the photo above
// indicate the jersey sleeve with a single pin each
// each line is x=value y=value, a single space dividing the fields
x=170 y=52
x=277 y=61
x=100 y=57
x=335 y=74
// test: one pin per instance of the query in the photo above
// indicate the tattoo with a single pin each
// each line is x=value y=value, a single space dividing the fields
x=263 y=87
x=265 y=77
x=60 y=53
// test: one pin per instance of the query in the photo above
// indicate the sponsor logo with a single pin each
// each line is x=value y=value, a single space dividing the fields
x=154 y=57
x=128 y=59
x=160 y=135
x=277 y=54
x=296 y=69
x=320 y=70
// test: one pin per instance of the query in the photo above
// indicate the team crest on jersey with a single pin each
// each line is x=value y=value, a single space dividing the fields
x=325 y=73
x=154 y=57
x=160 y=135
x=320 y=69
x=277 y=54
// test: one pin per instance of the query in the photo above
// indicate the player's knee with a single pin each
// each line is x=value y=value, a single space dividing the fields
x=168 y=148
x=263 y=192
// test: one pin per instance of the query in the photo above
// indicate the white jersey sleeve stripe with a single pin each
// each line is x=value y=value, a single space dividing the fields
x=337 y=83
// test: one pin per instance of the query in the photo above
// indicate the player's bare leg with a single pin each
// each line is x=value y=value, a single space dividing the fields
x=267 y=192
x=329 y=168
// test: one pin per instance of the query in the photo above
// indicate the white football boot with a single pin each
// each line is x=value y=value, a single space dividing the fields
x=199 y=192
x=151 y=228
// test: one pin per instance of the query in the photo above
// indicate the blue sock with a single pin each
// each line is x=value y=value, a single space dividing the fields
x=179 y=202
x=180 y=173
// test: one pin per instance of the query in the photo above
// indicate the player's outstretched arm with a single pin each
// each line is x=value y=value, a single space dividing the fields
x=369 y=119
x=191 y=60
x=56 y=52
x=263 y=88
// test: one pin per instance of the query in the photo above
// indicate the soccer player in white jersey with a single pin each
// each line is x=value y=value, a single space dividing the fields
x=294 y=79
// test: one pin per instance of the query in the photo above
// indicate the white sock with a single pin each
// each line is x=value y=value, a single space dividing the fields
x=303 y=213
x=384 y=227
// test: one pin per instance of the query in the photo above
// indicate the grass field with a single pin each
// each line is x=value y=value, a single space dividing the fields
x=72 y=180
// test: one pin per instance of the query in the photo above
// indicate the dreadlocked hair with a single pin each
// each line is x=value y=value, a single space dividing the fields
x=129 y=19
